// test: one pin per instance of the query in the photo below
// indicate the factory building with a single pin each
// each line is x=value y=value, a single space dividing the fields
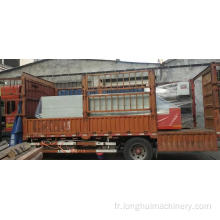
x=61 y=71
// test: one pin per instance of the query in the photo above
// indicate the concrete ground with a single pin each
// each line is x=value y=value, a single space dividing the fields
x=161 y=156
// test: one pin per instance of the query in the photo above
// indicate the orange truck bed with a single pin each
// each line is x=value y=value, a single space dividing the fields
x=137 y=125
x=187 y=140
x=139 y=118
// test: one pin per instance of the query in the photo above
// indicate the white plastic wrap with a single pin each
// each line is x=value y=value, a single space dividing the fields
x=60 y=107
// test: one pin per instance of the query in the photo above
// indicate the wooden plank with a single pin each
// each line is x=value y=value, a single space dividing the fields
x=39 y=156
x=12 y=152
x=34 y=153
x=3 y=145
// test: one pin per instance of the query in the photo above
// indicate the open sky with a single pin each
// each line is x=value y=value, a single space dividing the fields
x=139 y=30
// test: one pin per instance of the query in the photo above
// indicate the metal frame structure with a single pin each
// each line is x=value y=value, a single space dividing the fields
x=119 y=81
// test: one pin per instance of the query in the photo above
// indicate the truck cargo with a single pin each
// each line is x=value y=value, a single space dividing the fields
x=178 y=94
x=59 y=107
x=113 y=122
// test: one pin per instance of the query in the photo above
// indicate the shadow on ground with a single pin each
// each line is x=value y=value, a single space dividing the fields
x=81 y=157
x=161 y=156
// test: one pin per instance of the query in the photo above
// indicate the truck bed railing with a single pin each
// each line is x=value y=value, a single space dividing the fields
x=128 y=91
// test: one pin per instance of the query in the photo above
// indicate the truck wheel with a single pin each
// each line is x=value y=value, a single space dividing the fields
x=138 y=149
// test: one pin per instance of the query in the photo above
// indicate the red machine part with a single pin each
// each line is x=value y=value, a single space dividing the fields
x=170 y=121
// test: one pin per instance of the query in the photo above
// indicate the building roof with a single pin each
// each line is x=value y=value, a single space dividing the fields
x=45 y=60
x=168 y=61
x=20 y=67
x=4 y=67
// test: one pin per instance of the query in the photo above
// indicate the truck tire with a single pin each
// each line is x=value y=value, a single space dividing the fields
x=138 y=149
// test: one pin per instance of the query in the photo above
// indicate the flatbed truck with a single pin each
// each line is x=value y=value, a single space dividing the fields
x=109 y=129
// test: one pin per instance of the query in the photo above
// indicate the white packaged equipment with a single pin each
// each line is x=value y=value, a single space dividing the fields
x=60 y=107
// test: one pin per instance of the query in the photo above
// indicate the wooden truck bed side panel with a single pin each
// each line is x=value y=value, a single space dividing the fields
x=33 y=89
x=93 y=126
x=211 y=96
x=216 y=95
x=187 y=140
